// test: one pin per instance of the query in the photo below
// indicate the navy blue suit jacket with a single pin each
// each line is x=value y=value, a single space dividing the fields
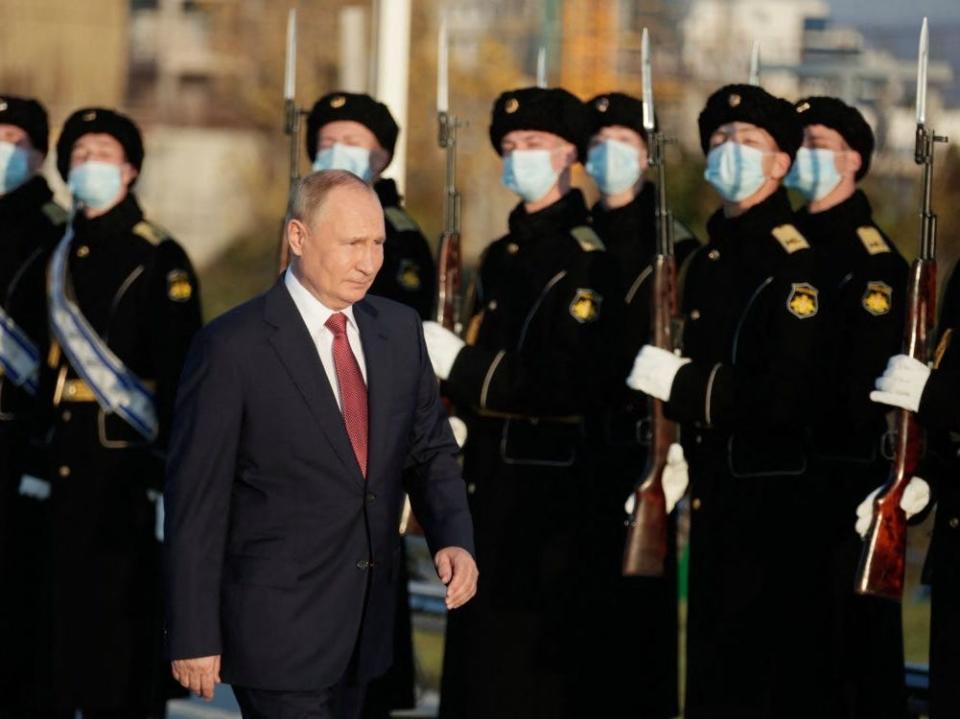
x=279 y=556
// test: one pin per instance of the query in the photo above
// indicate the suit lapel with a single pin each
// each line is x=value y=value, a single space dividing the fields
x=373 y=337
x=298 y=354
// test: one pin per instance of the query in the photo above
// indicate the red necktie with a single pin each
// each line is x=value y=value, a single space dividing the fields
x=353 y=391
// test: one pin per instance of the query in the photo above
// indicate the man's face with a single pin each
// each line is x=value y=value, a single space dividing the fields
x=101 y=147
x=354 y=134
x=562 y=153
x=626 y=135
x=340 y=251
x=16 y=135
x=775 y=163
x=821 y=137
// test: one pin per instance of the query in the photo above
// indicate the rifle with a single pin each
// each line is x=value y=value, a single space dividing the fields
x=646 y=545
x=882 y=560
x=292 y=128
x=754 y=78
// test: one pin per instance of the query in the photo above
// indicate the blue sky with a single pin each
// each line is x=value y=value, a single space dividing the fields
x=864 y=12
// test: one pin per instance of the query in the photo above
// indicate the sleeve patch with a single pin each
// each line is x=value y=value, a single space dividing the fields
x=585 y=306
x=790 y=238
x=179 y=288
x=399 y=220
x=588 y=239
x=803 y=300
x=878 y=299
x=408 y=275
x=872 y=240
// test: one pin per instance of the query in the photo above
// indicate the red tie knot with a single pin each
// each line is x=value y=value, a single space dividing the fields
x=337 y=323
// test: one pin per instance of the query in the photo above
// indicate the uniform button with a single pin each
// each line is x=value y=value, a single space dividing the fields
x=714 y=254
x=696 y=503
x=492 y=305
x=694 y=314
x=66 y=416
x=64 y=471
x=471 y=487
x=954 y=522
x=698 y=439
x=513 y=248
x=71 y=390
x=83 y=251
x=363 y=564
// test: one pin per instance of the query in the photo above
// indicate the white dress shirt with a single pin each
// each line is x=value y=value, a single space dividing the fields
x=315 y=315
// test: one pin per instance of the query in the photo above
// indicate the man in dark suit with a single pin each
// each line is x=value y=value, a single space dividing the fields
x=298 y=412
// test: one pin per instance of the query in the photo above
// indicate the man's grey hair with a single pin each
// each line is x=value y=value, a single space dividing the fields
x=314 y=189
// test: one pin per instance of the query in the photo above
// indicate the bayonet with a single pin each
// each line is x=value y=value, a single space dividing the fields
x=755 y=64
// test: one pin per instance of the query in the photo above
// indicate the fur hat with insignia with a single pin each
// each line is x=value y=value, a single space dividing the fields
x=749 y=103
x=617 y=108
x=838 y=115
x=373 y=115
x=99 y=120
x=29 y=115
x=551 y=110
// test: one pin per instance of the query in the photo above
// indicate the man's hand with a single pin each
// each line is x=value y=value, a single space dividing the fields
x=902 y=383
x=654 y=370
x=916 y=496
x=443 y=346
x=456 y=569
x=199 y=675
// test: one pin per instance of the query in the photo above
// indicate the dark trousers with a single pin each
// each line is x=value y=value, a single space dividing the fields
x=342 y=701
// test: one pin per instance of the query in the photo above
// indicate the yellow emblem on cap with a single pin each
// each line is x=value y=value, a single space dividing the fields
x=790 y=238
x=734 y=99
x=602 y=104
x=409 y=275
x=511 y=106
x=872 y=240
x=89 y=116
x=585 y=306
x=803 y=107
x=179 y=288
x=3 y=104
x=877 y=300
x=803 y=301
x=338 y=101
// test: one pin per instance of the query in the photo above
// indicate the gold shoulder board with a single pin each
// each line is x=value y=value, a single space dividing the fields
x=588 y=239
x=150 y=232
x=872 y=240
x=790 y=238
x=56 y=214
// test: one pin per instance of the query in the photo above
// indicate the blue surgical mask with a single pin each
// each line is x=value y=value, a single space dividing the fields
x=529 y=173
x=814 y=173
x=345 y=157
x=14 y=167
x=95 y=184
x=614 y=166
x=735 y=170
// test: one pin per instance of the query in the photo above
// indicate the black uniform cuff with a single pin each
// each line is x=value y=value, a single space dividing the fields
x=693 y=393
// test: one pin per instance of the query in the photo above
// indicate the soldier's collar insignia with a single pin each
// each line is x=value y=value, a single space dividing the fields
x=790 y=238
x=878 y=298
x=803 y=300
x=338 y=101
x=585 y=306
x=89 y=116
x=511 y=106
x=179 y=288
x=872 y=240
x=602 y=104
x=734 y=99
x=408 y=276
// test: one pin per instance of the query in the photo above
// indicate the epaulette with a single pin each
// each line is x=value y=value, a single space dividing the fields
x=150 y=232
x=790 y=238
x=399 y=219
x=872 y=240
x=588 y=239
x=56 y=214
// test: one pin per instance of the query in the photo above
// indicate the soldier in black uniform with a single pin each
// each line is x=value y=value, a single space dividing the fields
x=863 y=280
x=624 y=217
x=527 y=383
x=30 y=224
x=124 y=306
x=743 y=391
x=933 y=394
x=348 y=131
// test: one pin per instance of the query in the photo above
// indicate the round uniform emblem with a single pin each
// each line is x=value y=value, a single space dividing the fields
x=511 y=106
x=338 y=101
x=602 y=104
x=734 y=99
x=89 y=116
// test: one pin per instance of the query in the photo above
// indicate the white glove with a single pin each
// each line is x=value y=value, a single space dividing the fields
x=654 y=370
x=34 y=487
x=443 y=346
x=901 y=383
x=158 y=513
x=459 y=428
x=915 y=497
x=675 y=480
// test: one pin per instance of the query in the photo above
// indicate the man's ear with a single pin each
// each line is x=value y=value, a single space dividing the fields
x=129 y=174
x=780 y=166
x=854 y=162
x=567 y=155
x=296 y=236
x=379 y=159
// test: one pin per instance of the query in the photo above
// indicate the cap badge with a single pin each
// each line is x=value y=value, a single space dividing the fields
x=89 y=116
x=803 y=107
x=511 y=106
x=338 y=101
x=602 y=104
x=734 y=99
x=3 y=104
